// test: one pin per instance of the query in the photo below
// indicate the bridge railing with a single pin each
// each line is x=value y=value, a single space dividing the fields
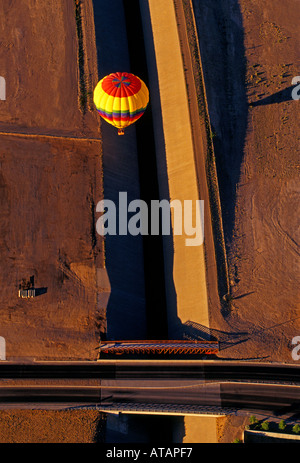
x=159 y=347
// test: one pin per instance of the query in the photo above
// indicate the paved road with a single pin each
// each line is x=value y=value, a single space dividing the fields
x=243 y=395
x=192 y=383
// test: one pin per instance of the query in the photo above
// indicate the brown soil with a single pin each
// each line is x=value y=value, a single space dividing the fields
x=50 y=182
x=40 y=61
x=231 y=428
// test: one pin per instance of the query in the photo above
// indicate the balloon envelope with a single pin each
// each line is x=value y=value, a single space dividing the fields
x=121 y=99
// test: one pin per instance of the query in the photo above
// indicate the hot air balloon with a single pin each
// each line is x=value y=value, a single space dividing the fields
x=121 y=99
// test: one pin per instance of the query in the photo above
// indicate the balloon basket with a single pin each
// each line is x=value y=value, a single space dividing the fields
x=120 y=132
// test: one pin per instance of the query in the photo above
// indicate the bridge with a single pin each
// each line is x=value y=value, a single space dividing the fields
x=159 y=347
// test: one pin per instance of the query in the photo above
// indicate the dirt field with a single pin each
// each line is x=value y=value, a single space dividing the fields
x=49 y=185
x=49 y=426
x=250 y=53
x=47 y=232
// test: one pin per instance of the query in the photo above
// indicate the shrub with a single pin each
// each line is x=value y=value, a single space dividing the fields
x=282 y=425
x=253 y=419
x=296 y=429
